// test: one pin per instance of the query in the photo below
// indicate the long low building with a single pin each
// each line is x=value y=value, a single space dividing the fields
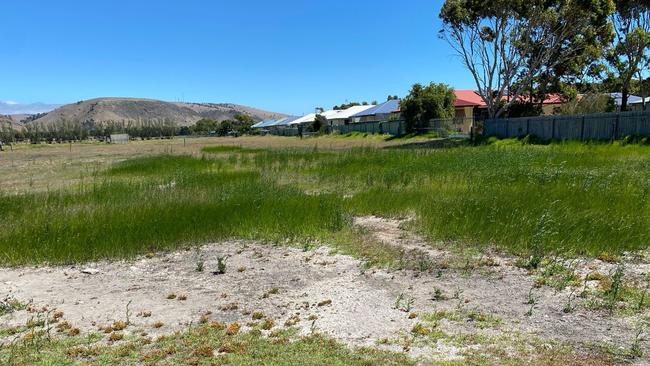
x=344 y=117
x=387 y=111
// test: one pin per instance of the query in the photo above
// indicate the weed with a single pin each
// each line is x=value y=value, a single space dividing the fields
x=267 y=324
x=569 y=307
x=233 y=329
x=273 y=291
x=119 y=325
x=293 y=320
x=438 y=295
x=221 y=265
x=116 y=336
x=229 y=307
x=420 y=330
x=616 y=286
x=404 y=303
x=171 y=296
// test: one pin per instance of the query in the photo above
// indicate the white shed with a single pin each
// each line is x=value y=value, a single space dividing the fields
x=120 y=139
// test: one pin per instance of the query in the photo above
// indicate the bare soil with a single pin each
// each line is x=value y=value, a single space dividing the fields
x=323 y=291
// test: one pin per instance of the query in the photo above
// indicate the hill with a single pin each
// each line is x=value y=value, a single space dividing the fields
x=9 y=121
x=133 y=109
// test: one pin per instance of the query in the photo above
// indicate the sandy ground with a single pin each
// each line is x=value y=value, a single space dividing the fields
x=317 y=290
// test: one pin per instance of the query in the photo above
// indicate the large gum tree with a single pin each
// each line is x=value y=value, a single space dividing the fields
x=629 y=54
x=508 y=46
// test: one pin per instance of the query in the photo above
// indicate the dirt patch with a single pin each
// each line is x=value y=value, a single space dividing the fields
x=318 y=291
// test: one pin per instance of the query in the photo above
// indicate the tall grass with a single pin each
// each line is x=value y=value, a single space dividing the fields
x=566 y=198
x=134 y=211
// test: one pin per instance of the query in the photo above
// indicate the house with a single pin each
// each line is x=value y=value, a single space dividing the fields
x=265 y=124
x=344 y=117
x=261 y=123
x=387 y=111
x=634 y=103
x=304 y=120
x=284 y=122
x=470 y=105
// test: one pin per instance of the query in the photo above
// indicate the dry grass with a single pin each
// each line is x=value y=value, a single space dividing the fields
x=47 y=167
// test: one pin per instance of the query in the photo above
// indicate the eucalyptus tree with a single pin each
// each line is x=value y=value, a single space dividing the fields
x=509 y=46
x=629 y=54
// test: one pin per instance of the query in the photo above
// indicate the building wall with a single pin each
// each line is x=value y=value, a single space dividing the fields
x=464 y=112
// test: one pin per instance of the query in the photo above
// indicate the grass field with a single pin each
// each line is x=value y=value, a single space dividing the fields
x=570 y=199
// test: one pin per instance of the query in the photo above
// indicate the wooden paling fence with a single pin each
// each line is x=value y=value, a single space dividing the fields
x=602 y=126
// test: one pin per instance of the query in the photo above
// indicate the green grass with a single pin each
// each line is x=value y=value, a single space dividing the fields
x=203 y=345
x=567 y=198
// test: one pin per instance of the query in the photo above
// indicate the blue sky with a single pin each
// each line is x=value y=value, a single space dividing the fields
x=285 y=56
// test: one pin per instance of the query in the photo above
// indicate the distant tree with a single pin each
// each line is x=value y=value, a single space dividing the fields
x=205 y=127
x=629 y=55
x=425 y=103
x=392 y=97
x=184 y=131
x=319 y=124
x=524 y=109
x=588 y=103
x=226 y=127
x=347 y=105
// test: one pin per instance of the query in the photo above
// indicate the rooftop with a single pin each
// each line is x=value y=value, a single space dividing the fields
x=390 y=106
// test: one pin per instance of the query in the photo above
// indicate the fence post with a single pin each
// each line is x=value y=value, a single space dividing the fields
x=528 y=127
x=553 y=129
x=616 y=126
x=582 y=129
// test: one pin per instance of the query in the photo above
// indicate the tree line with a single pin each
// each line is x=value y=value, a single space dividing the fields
x=68 y=131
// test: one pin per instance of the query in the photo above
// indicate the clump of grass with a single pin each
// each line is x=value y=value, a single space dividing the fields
x=221 y=265
x=116 y=336
x=273 y=291
x=233 y=329
x=324 y=303
x=267 y=324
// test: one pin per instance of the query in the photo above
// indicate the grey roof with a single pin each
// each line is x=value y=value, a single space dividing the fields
x=383 y=108
x=631 y=99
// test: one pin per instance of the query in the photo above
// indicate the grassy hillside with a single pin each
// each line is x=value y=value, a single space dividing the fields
x=132 y=109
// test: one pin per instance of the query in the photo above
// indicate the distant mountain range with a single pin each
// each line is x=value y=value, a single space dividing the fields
x=133 y=109
x=7 y=108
